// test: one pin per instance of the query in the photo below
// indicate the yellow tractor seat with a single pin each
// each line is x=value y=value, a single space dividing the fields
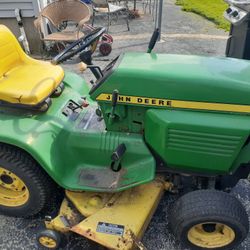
x=24 y=80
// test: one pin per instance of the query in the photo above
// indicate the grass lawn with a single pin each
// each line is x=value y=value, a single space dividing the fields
x=210 y=9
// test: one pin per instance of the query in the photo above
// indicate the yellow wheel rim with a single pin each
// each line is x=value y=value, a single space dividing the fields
x=47 y=242
x=13 y=191
x=211 y=235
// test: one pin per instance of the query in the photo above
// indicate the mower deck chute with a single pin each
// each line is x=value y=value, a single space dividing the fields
x=116 y=221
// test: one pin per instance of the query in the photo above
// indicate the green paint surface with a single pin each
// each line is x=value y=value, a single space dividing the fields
x=180 y=77
x=172 y=77
x=197 y=142
x=78 y=158
x=207 y=142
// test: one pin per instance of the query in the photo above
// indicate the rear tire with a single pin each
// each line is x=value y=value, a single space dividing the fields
x=24 y=186
x=209 y=219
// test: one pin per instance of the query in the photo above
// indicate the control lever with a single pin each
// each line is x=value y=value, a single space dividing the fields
x=86 y=57
x=115 y=95
x=96 y=70
x=153 y=40
x=116 y=157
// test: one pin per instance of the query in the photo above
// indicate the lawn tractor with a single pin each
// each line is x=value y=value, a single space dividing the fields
x=150 y=123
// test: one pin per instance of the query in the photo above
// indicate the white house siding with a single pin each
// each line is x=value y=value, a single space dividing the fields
x=29 y=8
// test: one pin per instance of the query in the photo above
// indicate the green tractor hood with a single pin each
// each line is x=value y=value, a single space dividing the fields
x=178 y=77
x=159 y=95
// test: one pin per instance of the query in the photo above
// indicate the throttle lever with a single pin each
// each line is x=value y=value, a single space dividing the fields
x=115 y=96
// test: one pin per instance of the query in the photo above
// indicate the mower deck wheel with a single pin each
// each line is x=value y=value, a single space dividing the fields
x=209 y=219
x=49 y=239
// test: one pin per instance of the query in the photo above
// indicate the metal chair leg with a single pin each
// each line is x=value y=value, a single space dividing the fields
x=128 y=24
x=145 y=6
x=93 y=18
x=108 y=22
x=154 y=8
x=127 y=20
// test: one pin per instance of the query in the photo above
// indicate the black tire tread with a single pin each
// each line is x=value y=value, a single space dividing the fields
x=51 y=234
x=206 y=203
x=32 y=170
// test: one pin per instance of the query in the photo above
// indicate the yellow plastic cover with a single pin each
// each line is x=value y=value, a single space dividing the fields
x=24 y=80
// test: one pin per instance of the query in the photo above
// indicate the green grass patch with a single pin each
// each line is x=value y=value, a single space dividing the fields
x=211 y=9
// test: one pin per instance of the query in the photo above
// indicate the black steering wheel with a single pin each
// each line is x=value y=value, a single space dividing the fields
x=81 y=43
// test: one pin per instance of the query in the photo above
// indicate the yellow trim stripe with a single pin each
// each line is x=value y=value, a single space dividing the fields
x=145 y=101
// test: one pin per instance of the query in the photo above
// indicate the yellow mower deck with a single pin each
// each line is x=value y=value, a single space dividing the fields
x=116 y=221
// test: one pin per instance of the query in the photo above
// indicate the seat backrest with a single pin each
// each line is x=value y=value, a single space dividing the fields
x=11 y=53
x=66 y=10
x=100 y=3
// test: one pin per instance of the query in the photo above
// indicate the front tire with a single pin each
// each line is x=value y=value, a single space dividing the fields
x=24 y=187
x=209 y=219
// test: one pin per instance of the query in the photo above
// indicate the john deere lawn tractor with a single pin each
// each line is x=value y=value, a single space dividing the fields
x=150 y=123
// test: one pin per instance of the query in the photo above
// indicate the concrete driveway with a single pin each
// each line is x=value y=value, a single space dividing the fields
x=182 y=33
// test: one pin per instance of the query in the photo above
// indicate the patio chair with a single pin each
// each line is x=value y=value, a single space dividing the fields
x=150 y=4
x=58 y=14
x=104 y=8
